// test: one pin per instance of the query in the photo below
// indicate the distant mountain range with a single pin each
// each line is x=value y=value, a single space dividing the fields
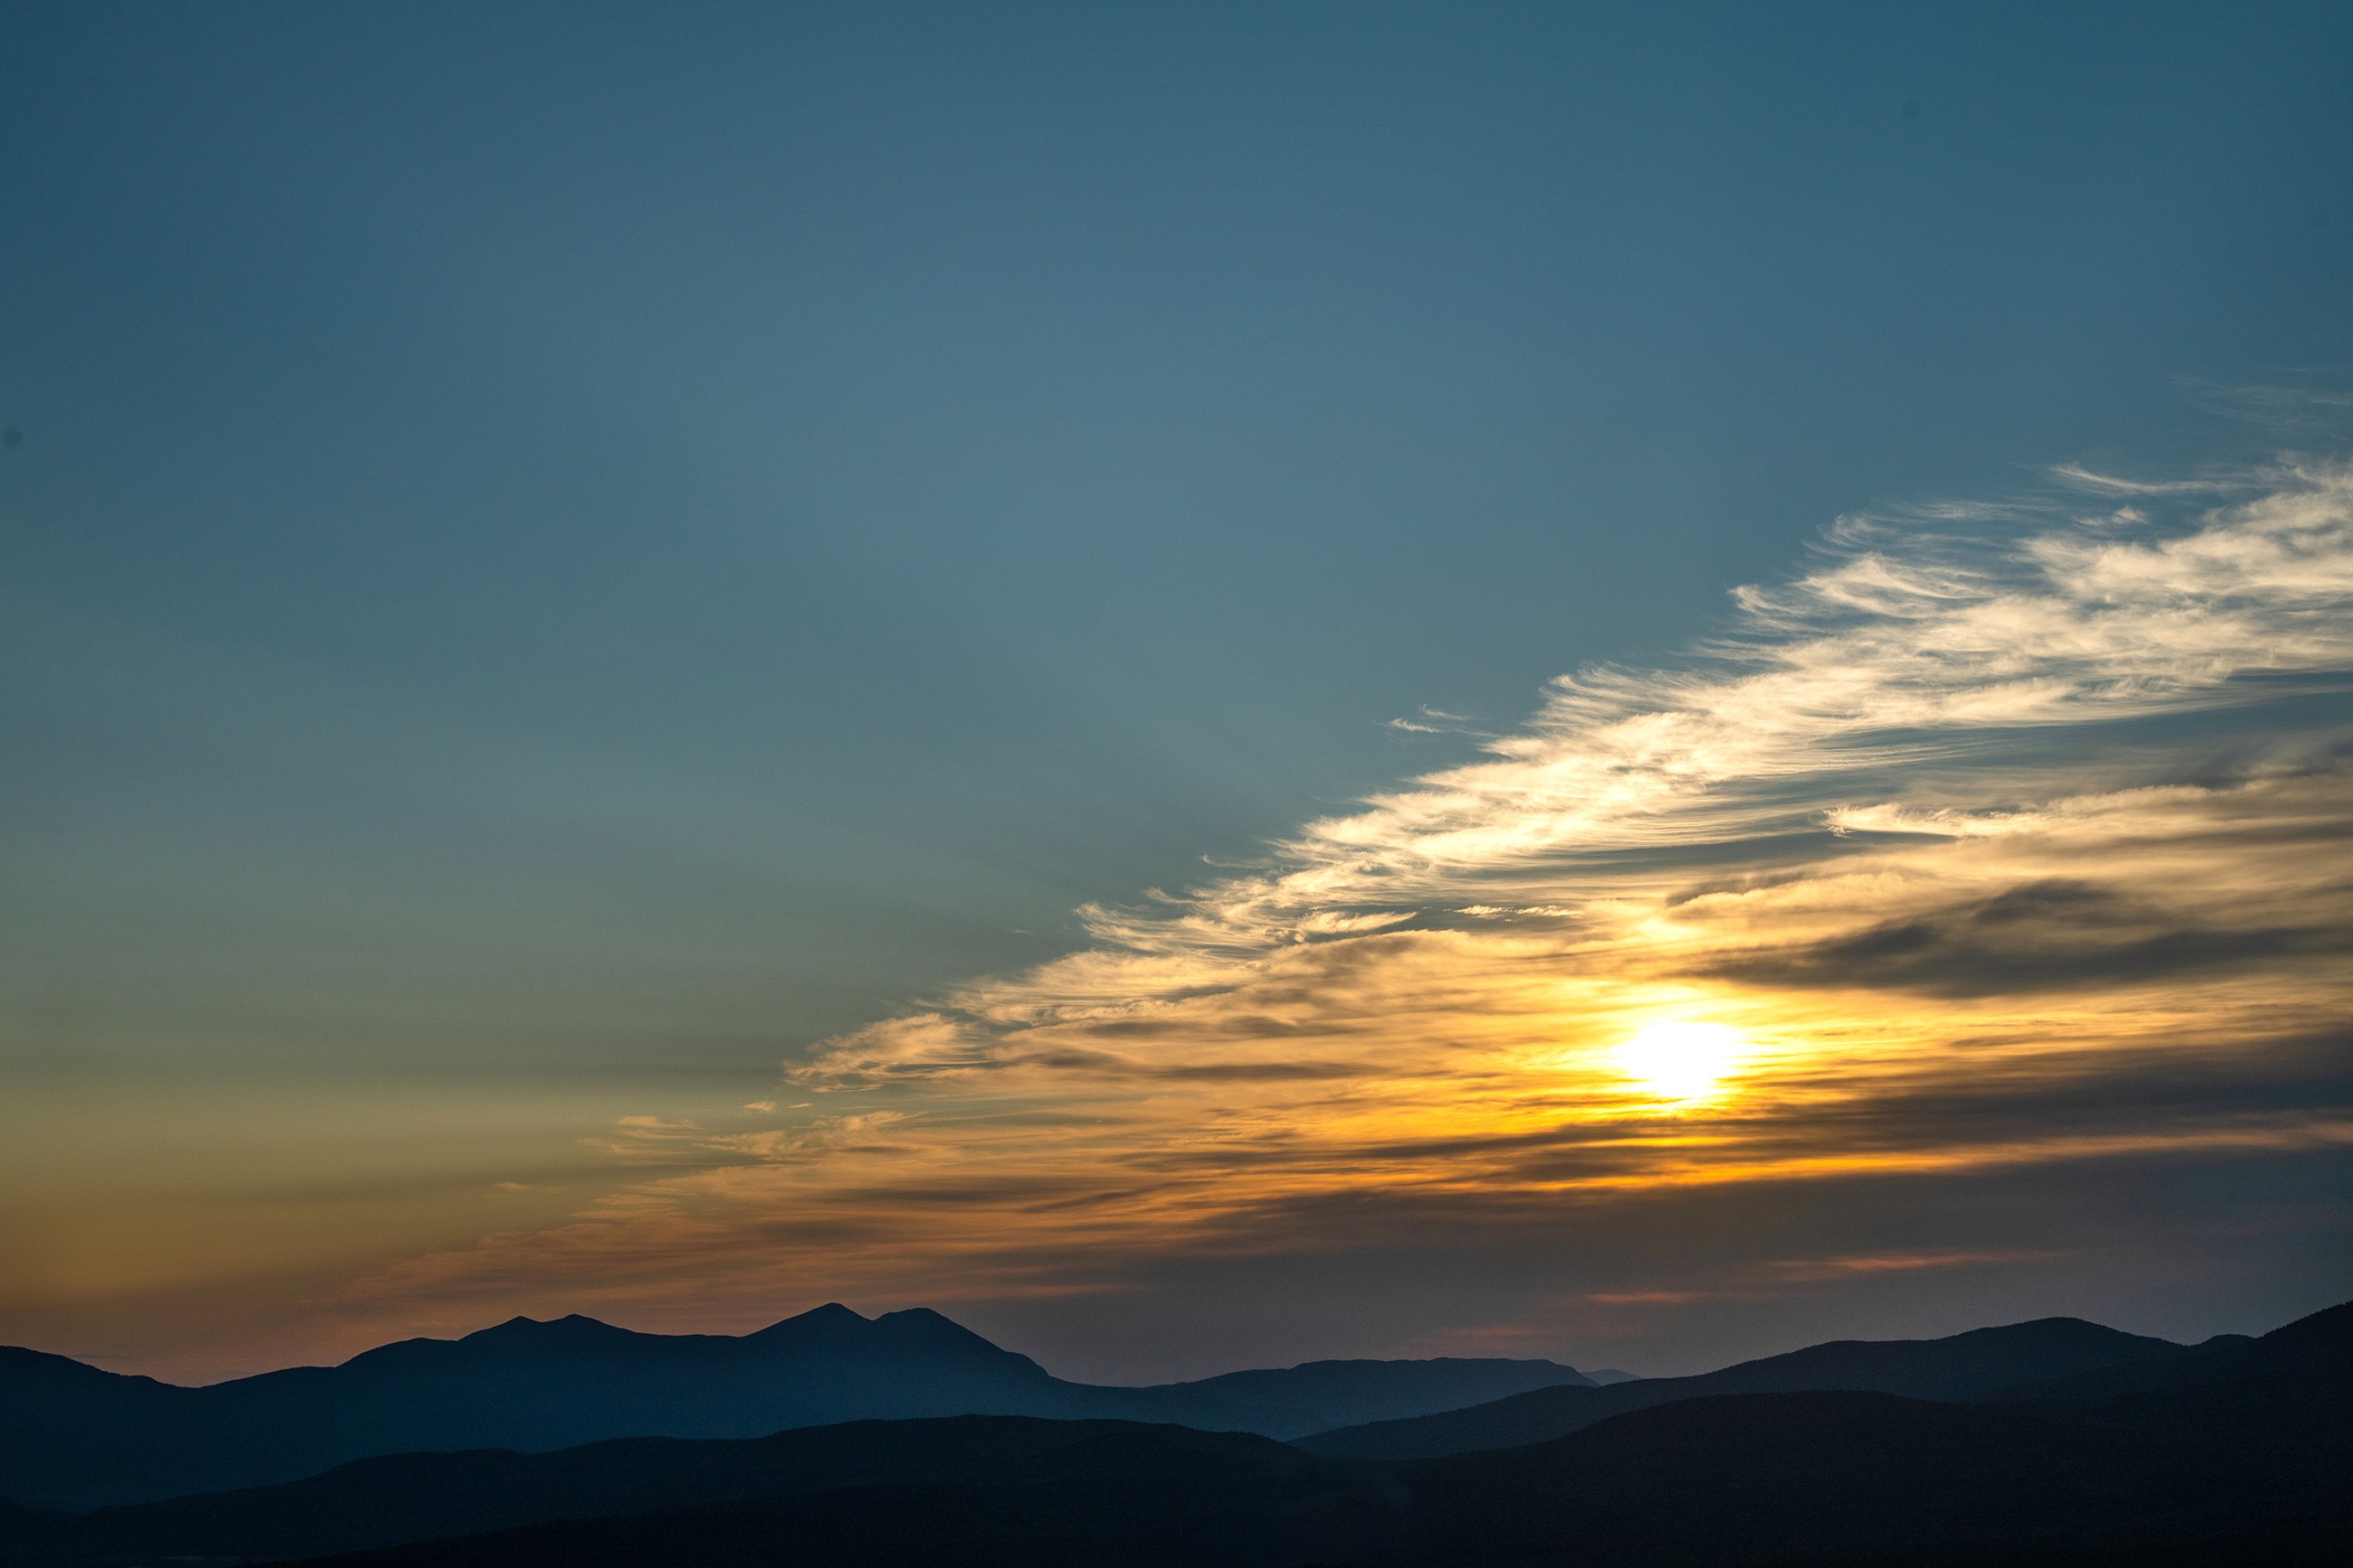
x=72 y=1435
x=2236 y=1451
x=1973 y=1365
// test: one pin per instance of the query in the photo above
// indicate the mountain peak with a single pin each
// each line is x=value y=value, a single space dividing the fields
x=2049 y=1328
x=832 y=1317
x=2331 y=1327
x=572 y=1326
x=922 y=1324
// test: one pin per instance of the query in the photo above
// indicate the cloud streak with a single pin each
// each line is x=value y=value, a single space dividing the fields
x=1987 y=823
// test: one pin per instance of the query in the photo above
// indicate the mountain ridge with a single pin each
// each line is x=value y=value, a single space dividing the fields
x=2223 y=1447
x=2237 y=1454
x=1964 y=1365
x=76 y=1435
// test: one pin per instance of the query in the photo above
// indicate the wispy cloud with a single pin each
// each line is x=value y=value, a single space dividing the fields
x=1809 y=1269
x=1428 y=720
x=2002 y=836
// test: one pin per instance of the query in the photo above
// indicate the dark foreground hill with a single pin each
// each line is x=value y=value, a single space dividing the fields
x=1964 y=1367
x=74 y=1436
x=2236 y=1454
x=2239 y=1455
x=407 y=1497
x=1162 y=1496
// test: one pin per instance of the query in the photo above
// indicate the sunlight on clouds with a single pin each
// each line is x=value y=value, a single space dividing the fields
x=2002 y=836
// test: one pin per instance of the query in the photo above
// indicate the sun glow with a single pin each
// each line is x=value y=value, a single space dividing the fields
x=1677 y=1059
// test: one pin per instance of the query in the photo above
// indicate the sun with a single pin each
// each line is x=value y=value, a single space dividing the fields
x=1674 y=1059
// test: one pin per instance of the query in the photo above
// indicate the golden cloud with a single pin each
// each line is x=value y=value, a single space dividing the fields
x=2004 y=837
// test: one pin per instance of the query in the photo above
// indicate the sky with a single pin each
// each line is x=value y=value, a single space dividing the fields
x=1208 y=684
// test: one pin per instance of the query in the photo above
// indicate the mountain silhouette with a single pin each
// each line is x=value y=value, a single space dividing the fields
x=2232 y=1453
x=2236 y=1454
x=75 y=1437
x=1337 y=1393
x=1963 y=1366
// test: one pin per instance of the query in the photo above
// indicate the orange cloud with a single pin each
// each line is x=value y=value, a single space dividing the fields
x=1928 y=843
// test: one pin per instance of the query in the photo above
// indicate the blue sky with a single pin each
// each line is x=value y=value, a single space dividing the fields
x=559 y=558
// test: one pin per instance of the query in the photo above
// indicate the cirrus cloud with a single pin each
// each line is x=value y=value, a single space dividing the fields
x=2004 y=837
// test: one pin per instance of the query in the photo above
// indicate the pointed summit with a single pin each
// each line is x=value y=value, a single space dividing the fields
x=831 y=1324
x=832 y=1312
